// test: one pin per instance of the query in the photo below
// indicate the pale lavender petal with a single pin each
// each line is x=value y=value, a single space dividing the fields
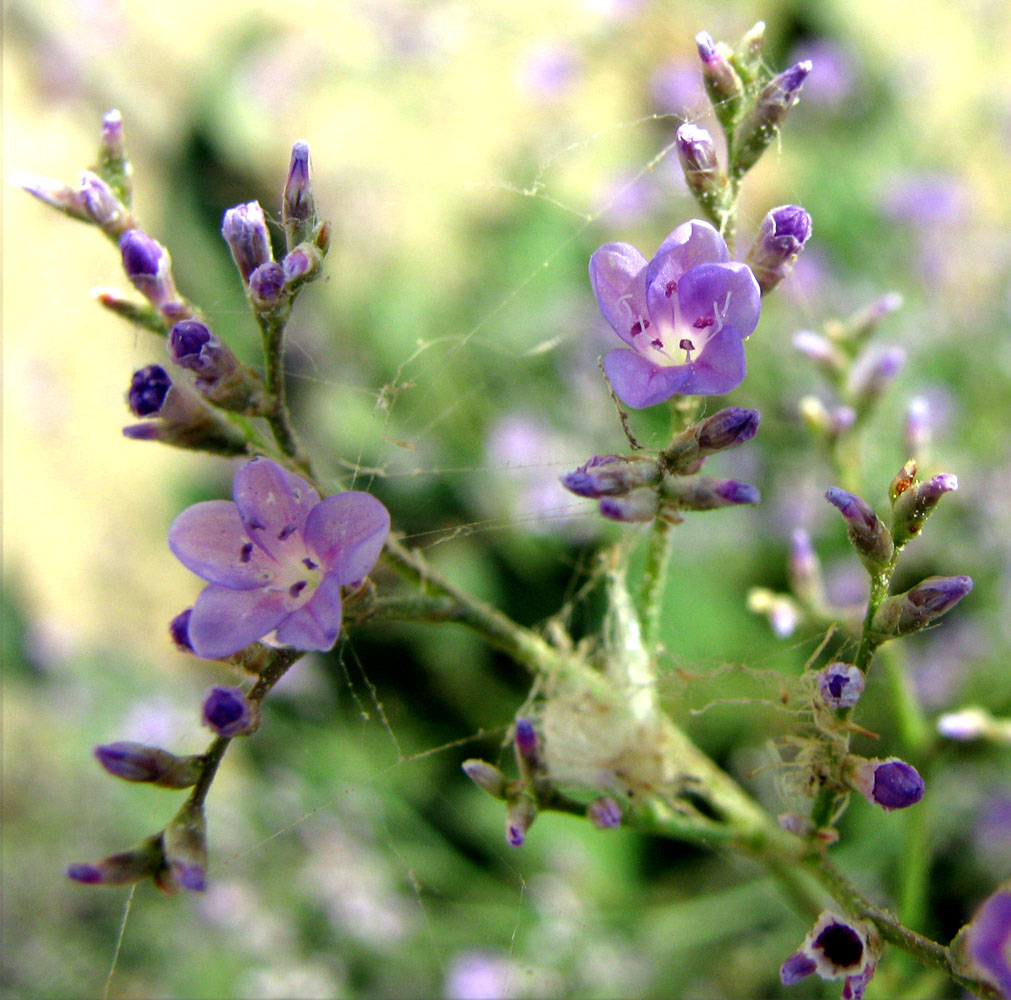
x=317 y=623
x=727 y=293
x=346 y=533
x=225 y=621
x=639 y=383
x=273 y=504
x=209 y=539
x=718 y=369
x=617 y=274
x=692 y=243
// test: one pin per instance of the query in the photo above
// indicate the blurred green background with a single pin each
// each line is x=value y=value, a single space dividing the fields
x=471 y=156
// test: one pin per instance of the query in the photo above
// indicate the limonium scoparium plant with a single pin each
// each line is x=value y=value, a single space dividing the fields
x=275 y=559
x=286 y=560
x=684 y=314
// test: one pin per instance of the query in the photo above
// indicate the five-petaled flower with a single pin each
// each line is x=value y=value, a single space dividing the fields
x=275 y=559
x=684 y=314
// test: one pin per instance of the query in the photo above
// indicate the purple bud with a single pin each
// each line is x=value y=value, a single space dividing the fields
x=604 y=813
x=149 y=268
x=722 y=83
x=139 y=762
x=840 y=685
x=148 y=389
x=797 y=967
x=185 y=847
x=695 y=149
x=227 y=712
x=918 y=607
x=519 y=817
x=192 y=345
x=727 y=429
x=120 y=869
x=637 y=506
x=486 y=776
x=872 y=373
x=245 y=231
x=179 y=630
x=820 y=350
x=762 y=121
x=266 y=285
x=867 y=534
x=707 y=493
x=610 y=475
x=112 y=135
x=891 y=783
x=914 y=505
x=100 y=203
x=298 y=209
x=528 y=749
x=781 y=237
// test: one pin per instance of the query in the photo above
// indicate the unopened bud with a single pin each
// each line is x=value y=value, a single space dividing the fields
x=298 y=208
x=220 y=376
x=139 y=762
x=125 y=868
x=840 y=685
x=520 y=816
x=604 y=813
x=148 y=266
x=610 y=475
x=528 y=749
x=267 y=290
x=890 y=783
x=915 y=505
x=637 y=506
x=867 y=534
x=113 y=165
x=228 y=712
x=486 y=776
x=762 y=121
x=918 y=607
x=245 y=231
x=726 y=429
x=781 y=237
x=707 y=493
x=723 y=85
x=703 y=174
x=141 y=314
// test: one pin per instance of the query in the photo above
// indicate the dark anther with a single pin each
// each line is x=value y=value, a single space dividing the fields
x=308 y=563
x=670 y=288
x=658 y=344
x=296 y=588
x=286 y=532
x=702 y=322
x=638 y=326
x=686 y=345
x=246 y=552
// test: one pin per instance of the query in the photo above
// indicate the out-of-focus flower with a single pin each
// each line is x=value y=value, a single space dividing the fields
x=604 y=813
x=141 y=762
x=548 y=71
x=684 y=315
x=833 y=77
x=275 y=559
x=987 y=940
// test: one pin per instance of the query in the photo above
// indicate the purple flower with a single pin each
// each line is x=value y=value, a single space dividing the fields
x=140 y=762
x=781 y=237
x=227 y=712
x=275 y=559
x=891 y=783
x=684 y=315
x=149 y=388
x=149 y=268
x=989 y=935
x=266 y=285
x=835 y=948
x=840 y=685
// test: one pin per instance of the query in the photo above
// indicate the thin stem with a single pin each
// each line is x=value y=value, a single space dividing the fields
x=272 y=330
x=654 y=580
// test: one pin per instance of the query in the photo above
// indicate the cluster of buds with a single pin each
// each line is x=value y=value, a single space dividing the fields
x=858 y=372
x=633 y=488
x=533 y=791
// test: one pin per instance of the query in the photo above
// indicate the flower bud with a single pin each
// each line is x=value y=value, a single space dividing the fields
x=604 y=813
x=179 y=630
x=723 y=85
x=820 y=350
x=703 y=174
x=139 y=762
x=266 y=287
x=245 y=231
x=914 y=505
x=748 y=57
x=984 y=944
x=183 y=419
x=707 y=493
x=121 y=869
x=141 y=314
x=220 y=376
x=528 y=749
x=185 y=845
x=867 y=534
x=918 y=607
x=302 y=265
x=298 y=208
x=781 y=237
x=637 y=506
x=148 y=266
x=726 y=429
x=860 y=325
x=228 y=713
x=840 y=685
x=610 y=475
x=762 y=121
x=872 y=374
x=520 y=816
x=486 y=776
x=113 y=165
x=93 y=200
x=890 y=783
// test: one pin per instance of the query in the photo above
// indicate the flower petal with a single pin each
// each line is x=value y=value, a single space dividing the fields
x=209 y=539
x=317 y=623
x=719 y=368
x=224 y=620
x=617 y=274
x=727 y=293
x=346 y=533
x=273 y=504
x=639 y=383
x=692 y=243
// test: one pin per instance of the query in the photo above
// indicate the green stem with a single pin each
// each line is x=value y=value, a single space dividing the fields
x=654 y=581
x=272 y=331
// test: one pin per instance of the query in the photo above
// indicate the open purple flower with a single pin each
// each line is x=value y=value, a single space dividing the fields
x=684 y=315
x=275 y=559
